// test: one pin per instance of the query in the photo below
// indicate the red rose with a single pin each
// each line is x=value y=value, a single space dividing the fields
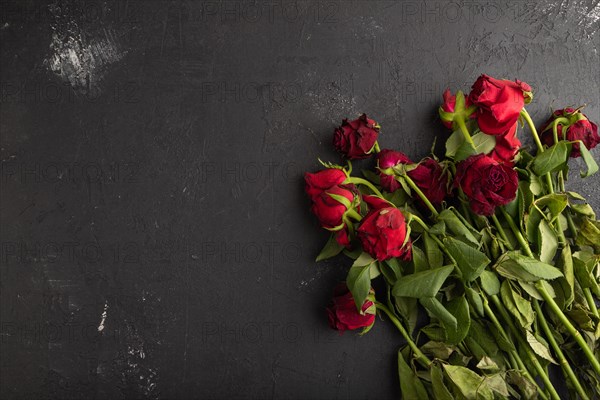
x=499 y=101
x=486 y=182
x=343 y=314
x=388 y=159
x=432 y=179
x=342 y=237
x=382 y=233
x=356 y=139
x=578 y=127
x=330 y=211
x=318 y=182
x=507 y=146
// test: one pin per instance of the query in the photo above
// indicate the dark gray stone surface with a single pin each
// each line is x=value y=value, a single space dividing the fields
x=156 y=242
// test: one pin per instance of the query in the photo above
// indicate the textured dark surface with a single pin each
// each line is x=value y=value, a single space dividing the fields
x=156 y=242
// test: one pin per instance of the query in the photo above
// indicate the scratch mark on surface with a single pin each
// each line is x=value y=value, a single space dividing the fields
x=103 y=317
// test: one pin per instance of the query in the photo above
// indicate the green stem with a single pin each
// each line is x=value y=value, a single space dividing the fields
x=538 y=143
x=465 y=131
x=565 y=321
x=590 y=300
x=353 y=214
x=414 y=187
x=532 y=358
x=500 y=230
x=517 y=233
x=376 y=147
x=419 y=355
x=361 y=181
x=566 y=367
x=513 y=353
x=534 y=133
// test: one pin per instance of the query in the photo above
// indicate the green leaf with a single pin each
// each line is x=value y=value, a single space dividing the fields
x=363 y=259
x=438 y=310
x=435 y=257
x=552 y=159
x=513 y=265
x=459 y=308
x=592 y=166
x=359 y=282
x=565 y=263
x=440 y=391
x=553 y=203
x=332 y=248
x=475 y=300
x=407 y=308
x=422 y=284
x=419 y=260
x=371 y=176
x=340 y=199
x=589 y=234
x=454 y=141
x=548 y=242
x=519 y=307
x=410 y=384
x=468 y=383
x=439 y=350
x=490 y=283
x=497 y=383
x=539 y=348
x=525 y=386
x=584 y=209
x=471 y=261
x=584 y=263
x=456 y=225
x=391 y=270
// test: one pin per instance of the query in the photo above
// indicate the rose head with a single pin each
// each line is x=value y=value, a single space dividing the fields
x=320 y=181
x=388 y=159
x=343 y=314
x=382 y=233
x=432 y=179
x=507 y=146
x=499 y=103
x=356 y=139
x=448 y=108
x=573 y=125
x=329 y=210
x=486 y=183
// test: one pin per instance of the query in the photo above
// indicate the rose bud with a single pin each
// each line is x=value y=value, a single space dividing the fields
x=343 y=314
x=432 y=179
x=387 y=159
x=507 y=147
x=383 y=234
x=499 y=101
x=573 y=125
x=320 y=181
x=447 y=108
x=329 y=210
x=486 y=183
x=356 y=139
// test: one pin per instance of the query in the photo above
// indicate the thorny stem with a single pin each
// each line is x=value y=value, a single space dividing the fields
x=419 y=355
x=590 y=300
x=565 y=321
x=569 y=374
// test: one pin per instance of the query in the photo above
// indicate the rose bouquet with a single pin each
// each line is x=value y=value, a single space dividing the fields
x=487 y=265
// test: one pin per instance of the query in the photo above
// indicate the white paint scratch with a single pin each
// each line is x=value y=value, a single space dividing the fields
x=103 y=317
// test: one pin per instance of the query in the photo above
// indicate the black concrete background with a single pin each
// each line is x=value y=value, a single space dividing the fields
x=156 y=242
